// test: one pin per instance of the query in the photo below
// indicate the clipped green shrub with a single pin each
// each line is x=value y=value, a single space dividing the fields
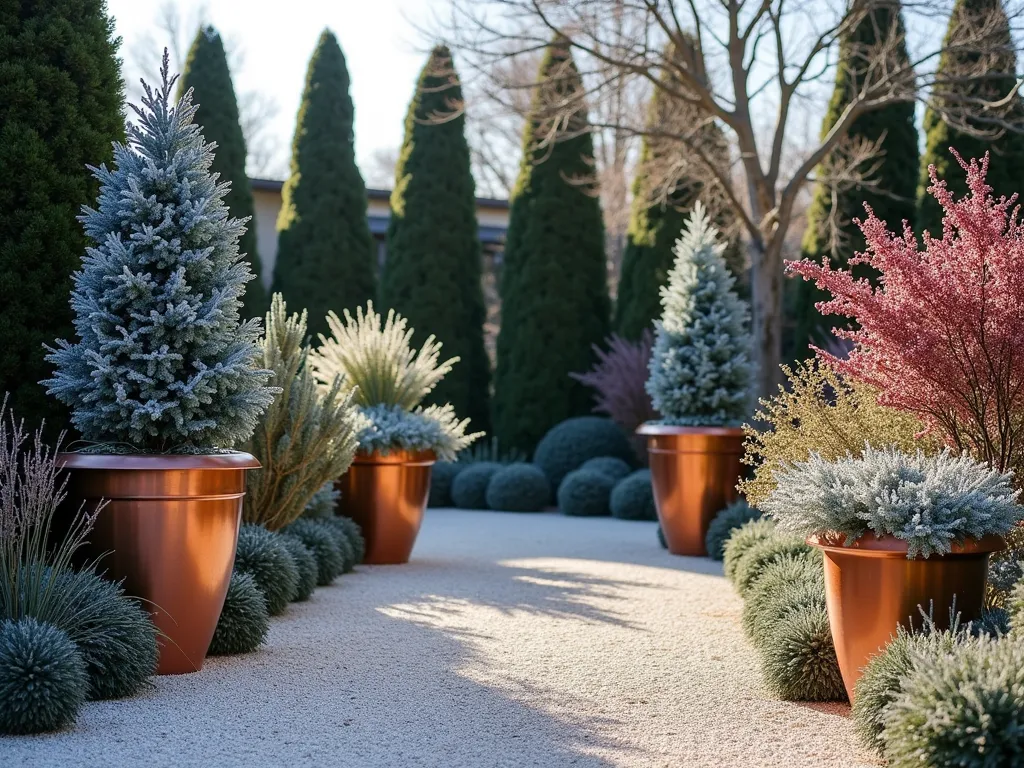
x=612 y=466
x=355 y=537
x=585 y=493
x=442 y=475
x=340 y=532
x=742 y=539
x=725 y=522
x=798 y=659
x=244 y=621
x=330 y=562
x=469 y=488
x=764 y=553
x=962 y=708
x=43 y=678
x=114 y=634
x=519 y=487
x=305 y=564
x=263 y=555
x=633 y=497
x=784 y=586
x=567 y=445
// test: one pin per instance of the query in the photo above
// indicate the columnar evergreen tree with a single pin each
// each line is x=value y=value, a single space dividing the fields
x=984 y=21
x=163 y=363
x=892 y=193
x=432 y=275
x=324 y=250
x=554 y=289
x=206 y=73
x=60 y=109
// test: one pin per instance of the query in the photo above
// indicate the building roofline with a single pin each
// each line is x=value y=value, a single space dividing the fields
x=273 y=185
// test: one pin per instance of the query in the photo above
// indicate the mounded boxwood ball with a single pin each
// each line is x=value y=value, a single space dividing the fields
x=585 y=493
x=442 y=474
x=262 y=554
x=355 y=537
x=330 y=562
x=963 y=708
x=762 y=554
x=469 y=489
x=43 y=677
x=114 y=634
x=798 y=659
x=244 y=621
x=725 y=522
x=567 y=445
x=633 y=498
x=788 y=584
x=518 y=487
x=610 y=465
x=742 y=539
x=305 y=562
x=340 y=532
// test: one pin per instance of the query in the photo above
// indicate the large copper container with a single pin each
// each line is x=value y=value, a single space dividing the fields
x=386 y=495
x=871 y=587
x=169 y=530
x=694 y=471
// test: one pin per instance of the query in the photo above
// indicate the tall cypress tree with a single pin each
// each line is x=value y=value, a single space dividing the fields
x=893 y=193
x=554 y=289
x=998 y=60
x=324 y=247
x=432 y=275
x=206 y=73
x=60 y=108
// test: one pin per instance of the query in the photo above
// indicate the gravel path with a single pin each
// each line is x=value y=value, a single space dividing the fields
x=510 y=640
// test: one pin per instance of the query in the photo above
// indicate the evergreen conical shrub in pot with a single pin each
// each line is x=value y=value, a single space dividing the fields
x=164 y=377
x=386 y=489
x=699 y=381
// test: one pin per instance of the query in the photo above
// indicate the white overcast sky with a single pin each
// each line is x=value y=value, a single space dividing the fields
x=383 y=49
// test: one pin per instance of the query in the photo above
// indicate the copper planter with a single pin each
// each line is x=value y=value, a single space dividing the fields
x=386 y=495
x=169 y=530
x=694 y=471
x=871 y=587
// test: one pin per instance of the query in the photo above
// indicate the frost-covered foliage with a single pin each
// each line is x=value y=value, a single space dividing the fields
x=962 y=708
x=307 y=437
x=941 y=337
x=264 y=556
x=787 y=584
x=519 y=487
x=244 y=621
x=585 y=493
x=324 y=501
x=725 y=522
x=391 y=380
x=700 y=370
x=927 y=501
x=742 y=539
x=633 y=497
x=763 y=553
x=442 y=475
x=163 y=362
x=819 y=411
x=469 y=488
x=330 y=562
x=305 y=566
x=799 y=659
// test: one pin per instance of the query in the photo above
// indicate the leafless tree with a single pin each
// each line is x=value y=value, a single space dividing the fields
x=380 y=171
x=766 y=59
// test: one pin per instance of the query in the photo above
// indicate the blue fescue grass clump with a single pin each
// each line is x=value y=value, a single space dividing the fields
x=355 y=537
x=798 y=658
x=305 y=565
x=324 y=545
x=585 y=493
x=612 y=466
x=469 y=489
x=764 y=553
x=725 y=522
x=567 y=445
x=244 y=621
x=263 y=555
x=785 y=585
x=742 y=539
x=442 y=475
x=519 y=487
x=43 y=678
x=633 y=497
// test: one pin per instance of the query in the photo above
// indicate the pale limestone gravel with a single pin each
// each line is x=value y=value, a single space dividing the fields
x=510 y=640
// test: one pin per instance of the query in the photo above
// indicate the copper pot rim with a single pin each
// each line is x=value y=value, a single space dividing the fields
x=650 y=428
x=158 y=461
x=888 y=546
x=395 y=456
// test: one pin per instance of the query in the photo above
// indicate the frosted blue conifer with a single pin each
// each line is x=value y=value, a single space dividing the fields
x=163 y=363
x=700 y=369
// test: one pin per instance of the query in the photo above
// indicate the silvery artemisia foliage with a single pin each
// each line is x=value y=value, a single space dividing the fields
x=163 y=363
x=700 y=369
x=434 y=428
x=927 y=501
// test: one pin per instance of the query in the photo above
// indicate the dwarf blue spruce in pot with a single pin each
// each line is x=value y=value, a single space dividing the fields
x=163 y=363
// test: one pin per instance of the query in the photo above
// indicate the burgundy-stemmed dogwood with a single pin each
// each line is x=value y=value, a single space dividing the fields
x=942 y=334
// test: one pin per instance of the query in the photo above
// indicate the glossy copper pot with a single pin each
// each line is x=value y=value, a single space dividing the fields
x=871 y=587
x=169 y=530
x=387 y=495
x=694 y=471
